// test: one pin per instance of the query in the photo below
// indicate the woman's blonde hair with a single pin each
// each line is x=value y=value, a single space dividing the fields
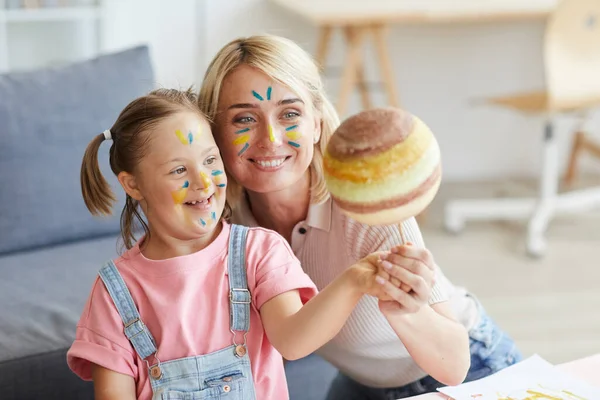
x=130 y=137
x=284 y=61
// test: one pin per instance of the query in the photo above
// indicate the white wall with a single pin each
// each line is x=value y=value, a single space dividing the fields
x=439 y=69
x=170 y=28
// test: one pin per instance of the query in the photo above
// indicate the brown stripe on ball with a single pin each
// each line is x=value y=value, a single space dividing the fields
x=370 y=132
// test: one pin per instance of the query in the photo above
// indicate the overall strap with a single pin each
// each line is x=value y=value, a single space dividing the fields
x=135 y=330
x=239 y=295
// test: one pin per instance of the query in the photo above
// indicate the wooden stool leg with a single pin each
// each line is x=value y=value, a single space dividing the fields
x=360 y=75
x=592 y=147
x=385 y=64
x=576 y=149
x=323 y=46
x=355 y=37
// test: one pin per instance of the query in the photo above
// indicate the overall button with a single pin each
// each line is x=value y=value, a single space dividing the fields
x=227 y=388
x=227 y=379
x=155 y=372
x=240 y=350
x=302 y=230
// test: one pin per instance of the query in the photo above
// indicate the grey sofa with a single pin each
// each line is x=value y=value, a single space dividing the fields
x=50 y=247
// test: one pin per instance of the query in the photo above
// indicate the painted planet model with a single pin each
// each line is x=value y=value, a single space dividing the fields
x=383 y=166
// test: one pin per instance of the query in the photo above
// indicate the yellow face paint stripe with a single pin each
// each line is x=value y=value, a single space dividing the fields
x=179 y=195
x=271 y=134
x=205 y=179
x=181 y=137
x=242 y=139
x=293 y=135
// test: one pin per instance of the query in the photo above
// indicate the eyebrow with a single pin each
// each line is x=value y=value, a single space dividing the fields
x=255 y=105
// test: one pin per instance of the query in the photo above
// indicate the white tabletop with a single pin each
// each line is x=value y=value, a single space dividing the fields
x=586 y=369
x=428 y=11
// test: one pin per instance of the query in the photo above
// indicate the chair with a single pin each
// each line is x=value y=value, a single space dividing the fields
x=572 y=73
x=581 y=143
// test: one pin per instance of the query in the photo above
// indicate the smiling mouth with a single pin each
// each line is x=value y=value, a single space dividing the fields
x=201 y=205
x=272 y=163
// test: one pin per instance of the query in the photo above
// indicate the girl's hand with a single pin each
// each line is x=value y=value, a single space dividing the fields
x=366 y=271
x=415 y=268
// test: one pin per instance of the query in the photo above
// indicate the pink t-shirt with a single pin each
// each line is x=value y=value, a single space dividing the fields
x=184 y=303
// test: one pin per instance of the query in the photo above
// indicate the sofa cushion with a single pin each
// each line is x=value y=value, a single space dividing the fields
x=43 y=292
x=47 y=118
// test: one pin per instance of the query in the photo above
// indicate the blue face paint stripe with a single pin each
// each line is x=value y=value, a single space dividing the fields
x=258 y=96
x=269 y=93
x=242 y=131
x=294 y=144
x=243 y=149
x=289 y=128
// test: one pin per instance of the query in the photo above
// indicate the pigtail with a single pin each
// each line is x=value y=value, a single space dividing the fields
x=129 y=216
x=97 y=195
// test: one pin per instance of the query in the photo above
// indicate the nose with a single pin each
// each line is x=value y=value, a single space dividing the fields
x=270 y=137
x=203 y=182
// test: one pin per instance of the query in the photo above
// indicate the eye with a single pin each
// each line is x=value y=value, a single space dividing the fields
x=291 y=114
x=244 y=120
x=210 y=160
x=178 y=171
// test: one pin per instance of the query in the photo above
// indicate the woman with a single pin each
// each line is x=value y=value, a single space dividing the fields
x=272 y=122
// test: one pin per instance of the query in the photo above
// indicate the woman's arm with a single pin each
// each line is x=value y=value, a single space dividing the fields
x=297 y=330
x=437 y=343
x=111 y=385
x=431 y=334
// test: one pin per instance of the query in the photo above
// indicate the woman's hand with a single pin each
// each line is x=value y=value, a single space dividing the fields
x=415 y=269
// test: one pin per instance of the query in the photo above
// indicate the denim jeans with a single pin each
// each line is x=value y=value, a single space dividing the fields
x=491 y=351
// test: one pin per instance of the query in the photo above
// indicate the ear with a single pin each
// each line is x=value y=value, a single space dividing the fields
x=129 y=184
x=318 y=123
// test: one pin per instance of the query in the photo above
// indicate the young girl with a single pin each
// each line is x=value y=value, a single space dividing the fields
x=197 y=308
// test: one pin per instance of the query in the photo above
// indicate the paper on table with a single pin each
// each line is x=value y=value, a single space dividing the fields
x=533 y=378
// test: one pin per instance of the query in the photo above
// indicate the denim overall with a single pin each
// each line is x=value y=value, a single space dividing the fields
x=223 y=374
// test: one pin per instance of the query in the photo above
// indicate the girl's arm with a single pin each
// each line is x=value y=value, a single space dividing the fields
x=111 y=385
x=296 y=330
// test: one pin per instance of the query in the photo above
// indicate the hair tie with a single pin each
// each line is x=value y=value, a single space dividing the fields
x=107 y=135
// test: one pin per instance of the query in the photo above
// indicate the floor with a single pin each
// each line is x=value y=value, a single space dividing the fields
x=551 y=306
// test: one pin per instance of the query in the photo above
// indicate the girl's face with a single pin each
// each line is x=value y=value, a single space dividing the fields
x=180 y=182
x=266 y=133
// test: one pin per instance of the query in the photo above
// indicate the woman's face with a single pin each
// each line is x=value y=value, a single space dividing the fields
x=265 y=132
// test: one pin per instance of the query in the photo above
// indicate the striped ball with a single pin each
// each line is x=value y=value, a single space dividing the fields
x=382 y=166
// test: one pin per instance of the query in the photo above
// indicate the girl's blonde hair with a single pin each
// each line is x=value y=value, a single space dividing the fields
x=284 y=61
x=130 y=135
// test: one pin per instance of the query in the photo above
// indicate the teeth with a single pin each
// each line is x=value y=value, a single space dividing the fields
x=271 y=163
x=193 y=203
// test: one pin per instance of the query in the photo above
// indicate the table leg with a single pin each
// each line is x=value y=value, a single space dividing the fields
x=360 y=75
x=323 y=46
x=387 y=72
x=354 y=36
